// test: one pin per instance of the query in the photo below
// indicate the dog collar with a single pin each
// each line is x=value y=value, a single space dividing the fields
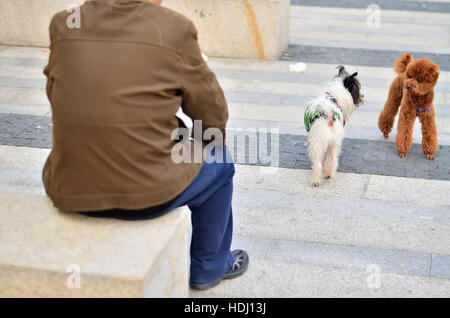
x=334 y=100
x=420 y=110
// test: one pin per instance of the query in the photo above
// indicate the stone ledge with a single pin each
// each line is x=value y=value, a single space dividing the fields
x=28 y=21
x=239 y=28
x=115 y=258
x=227 y=28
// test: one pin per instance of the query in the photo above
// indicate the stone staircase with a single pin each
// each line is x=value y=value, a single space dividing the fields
x=370 y=234
x=333 y=241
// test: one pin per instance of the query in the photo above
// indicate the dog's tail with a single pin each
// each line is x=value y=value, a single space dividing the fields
x=402 y=62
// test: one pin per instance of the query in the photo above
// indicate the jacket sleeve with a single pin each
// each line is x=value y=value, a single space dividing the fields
x=203 y=98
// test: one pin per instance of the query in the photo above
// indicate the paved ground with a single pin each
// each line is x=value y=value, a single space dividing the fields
x=368 y=57
x=358 y=155
x=381 y=220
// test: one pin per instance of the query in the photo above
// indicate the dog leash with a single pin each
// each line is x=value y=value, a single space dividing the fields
x=420 y=110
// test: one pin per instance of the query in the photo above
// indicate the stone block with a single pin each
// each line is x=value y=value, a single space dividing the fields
x=48 y=253
x=228 y=28
x=28 y=21
x=239 y=28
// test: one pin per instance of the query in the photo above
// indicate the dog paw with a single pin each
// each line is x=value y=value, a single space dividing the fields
x=386 y=136
x=402 y=154
x=430 y=157
x=329 y=175
x=315 y=183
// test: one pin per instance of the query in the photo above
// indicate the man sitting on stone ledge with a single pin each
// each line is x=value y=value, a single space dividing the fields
x=115 y=82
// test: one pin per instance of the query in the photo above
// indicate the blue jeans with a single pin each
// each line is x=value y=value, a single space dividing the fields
x=209 y=199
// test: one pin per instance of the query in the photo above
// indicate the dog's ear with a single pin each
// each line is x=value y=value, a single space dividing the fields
x=433 y=74
x=342 y=72
x=402 y=62
x=350 y=81
x=352 y=84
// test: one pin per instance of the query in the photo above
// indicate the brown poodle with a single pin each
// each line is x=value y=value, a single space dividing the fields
x=413 y=89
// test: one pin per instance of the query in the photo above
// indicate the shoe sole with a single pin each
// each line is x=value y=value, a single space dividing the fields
x=204 y=286
x=241 y=271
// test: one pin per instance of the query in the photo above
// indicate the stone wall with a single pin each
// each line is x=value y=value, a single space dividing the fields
x=48 y=253
x=239 y=28
x=26 y=22
x=227 y=28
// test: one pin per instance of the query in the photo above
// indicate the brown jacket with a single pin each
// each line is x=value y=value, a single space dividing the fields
x=115 y=84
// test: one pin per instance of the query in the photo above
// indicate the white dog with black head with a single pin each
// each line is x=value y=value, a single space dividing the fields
x=325 y=118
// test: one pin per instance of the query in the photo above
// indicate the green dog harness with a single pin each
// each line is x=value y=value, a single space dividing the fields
x=310 y=116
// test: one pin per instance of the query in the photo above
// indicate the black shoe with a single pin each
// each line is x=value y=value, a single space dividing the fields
x=239 y=267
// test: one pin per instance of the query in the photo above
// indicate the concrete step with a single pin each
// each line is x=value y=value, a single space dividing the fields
x=344 y=256
x=374 y=90
x=348 y=28
x=21 y=71
x=253 y=109
x=289 y=120
x=293 y=93
x=24 y=86
x=280 y=279
x=33 y=81
x=320 y=70
x=333 y=23
x=361 y=210
x=22 y=80
x=341 y=29
x=294 y=114
x=27 y=70
x=316 y=72
x=280 y=203
x=352 y=14
x=372 y=94
x=264 y=85
x=25 y=109
x=288 y=226
x=350 y=132
x=365 y=186
x=21 y=169
x=365 y=78
x=283 y=120
x=21 y=96
x=416 y=42
x=26 y=52
x=369 y=46
x=366 y=33
x=253 y=101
